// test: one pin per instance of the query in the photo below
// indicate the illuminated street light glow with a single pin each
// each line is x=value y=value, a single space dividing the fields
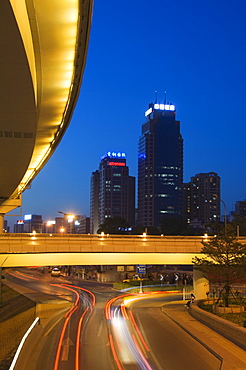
x=70 y=218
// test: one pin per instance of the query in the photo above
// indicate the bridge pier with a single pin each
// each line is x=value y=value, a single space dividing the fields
x=1 y=223
x=201 y=284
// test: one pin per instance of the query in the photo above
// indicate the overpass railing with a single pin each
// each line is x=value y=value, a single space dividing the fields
x=38 y=243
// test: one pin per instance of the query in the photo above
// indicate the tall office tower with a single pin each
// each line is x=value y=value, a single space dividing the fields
x=160 y=166
x=205 y=197
x=112 y=191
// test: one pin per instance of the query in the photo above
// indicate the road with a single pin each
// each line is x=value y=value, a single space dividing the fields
x=170 y=347
x=62 y=343
x=105 y=329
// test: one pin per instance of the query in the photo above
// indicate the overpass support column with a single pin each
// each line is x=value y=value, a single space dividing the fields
x=201 y=284
x=1 y=223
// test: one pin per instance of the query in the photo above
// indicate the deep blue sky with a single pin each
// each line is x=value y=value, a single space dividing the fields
x=193 y=50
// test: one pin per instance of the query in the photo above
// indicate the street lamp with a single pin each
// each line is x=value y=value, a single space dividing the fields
x=68 y=215
x=216 y=196
x=62 y=230
x=70 y=218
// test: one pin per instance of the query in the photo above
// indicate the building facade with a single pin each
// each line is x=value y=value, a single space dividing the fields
x=82 y=225
x=160 y=166
x=112 y=191
x=202 y=198
x=240 y=208
x=19 y=227
x=33 y=223
x=94 y=202
x=68 y=224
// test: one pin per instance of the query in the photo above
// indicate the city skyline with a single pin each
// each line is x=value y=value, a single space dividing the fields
x=197 y=55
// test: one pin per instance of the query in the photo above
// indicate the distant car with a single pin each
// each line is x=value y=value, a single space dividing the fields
x=55 y=272
x=133 y=278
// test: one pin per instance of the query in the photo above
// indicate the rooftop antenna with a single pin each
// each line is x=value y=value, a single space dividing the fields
x=155 y=97
x=165 y=97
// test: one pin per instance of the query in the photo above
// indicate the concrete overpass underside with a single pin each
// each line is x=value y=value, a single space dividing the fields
x=94 y=258
x=43 y=48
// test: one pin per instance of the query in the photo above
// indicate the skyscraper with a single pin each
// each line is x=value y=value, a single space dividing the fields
x=202 y=197
x=160 y=166
x=112 y=191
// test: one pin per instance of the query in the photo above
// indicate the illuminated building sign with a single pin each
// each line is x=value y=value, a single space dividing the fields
x=116 y=164
x=164 y=107
x=114 y=155
x=150 y=110
x=20 y=222
x=169 y=107
x=27 y=217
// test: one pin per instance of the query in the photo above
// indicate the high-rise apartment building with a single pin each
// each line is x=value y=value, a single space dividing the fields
x=160 y=166
x=202 y=198
x=240 y=208
x=112 y=191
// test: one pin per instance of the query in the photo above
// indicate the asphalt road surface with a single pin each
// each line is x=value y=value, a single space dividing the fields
x=97 y=335
x=170 y=347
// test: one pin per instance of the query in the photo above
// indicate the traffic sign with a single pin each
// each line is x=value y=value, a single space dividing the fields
x=141 y=269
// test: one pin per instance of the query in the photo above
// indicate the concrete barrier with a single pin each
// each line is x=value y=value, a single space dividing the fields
x=229 y=330
x=45 y=310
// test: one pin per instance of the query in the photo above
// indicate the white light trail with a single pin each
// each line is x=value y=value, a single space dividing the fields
x=22 y=343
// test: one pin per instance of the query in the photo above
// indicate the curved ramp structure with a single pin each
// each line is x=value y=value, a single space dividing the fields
x=43 y=48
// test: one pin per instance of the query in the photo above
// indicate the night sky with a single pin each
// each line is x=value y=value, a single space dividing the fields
x=193 y=50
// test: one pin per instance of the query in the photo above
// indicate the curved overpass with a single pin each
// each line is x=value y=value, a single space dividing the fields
x=43 y=48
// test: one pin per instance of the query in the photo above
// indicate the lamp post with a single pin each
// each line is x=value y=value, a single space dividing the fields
x=216 y=196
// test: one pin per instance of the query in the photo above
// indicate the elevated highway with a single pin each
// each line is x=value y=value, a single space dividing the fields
x=43 y=48
x=45 y=249
x=75 y=249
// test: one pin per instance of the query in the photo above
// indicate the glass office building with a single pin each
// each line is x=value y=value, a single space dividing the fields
x=160 y=166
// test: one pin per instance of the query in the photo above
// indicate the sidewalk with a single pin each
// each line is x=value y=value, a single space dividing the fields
x=233 y=357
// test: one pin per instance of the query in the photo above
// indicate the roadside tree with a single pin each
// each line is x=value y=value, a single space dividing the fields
x=224 y=261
